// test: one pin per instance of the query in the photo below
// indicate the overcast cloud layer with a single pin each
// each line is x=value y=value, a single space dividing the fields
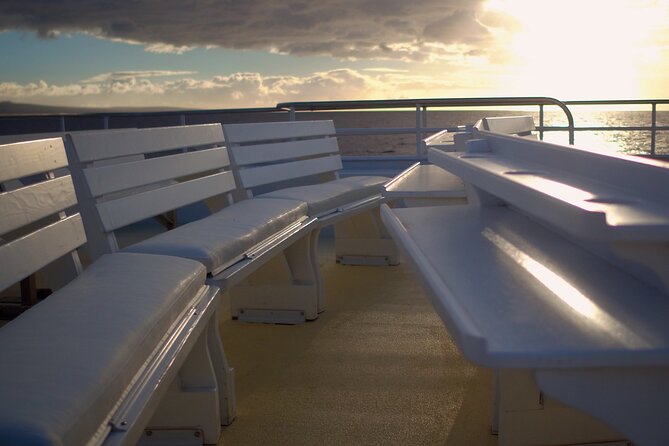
x=418 y=30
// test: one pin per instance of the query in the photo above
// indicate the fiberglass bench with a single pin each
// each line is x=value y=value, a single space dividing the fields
x=131 y=343
x=258 y=250
x=556 y=276
x=300 y=160
x=429 y=185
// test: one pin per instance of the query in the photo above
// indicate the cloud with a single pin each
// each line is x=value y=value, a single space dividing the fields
x=124 y=75
x=347 y=29
x=238 y=90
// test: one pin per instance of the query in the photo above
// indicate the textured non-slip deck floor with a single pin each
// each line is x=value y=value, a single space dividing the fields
x=376 y=368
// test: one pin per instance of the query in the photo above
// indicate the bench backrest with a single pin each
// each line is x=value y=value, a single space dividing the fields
x=273 y=152
x=178 y=166
x=37 y=224
x=508 y=125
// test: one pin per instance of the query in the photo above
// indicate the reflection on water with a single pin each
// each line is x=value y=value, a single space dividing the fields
x=631 y=142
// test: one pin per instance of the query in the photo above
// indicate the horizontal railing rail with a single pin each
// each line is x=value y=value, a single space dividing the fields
x=61 y=122
x=421 y=107
x=653 y=128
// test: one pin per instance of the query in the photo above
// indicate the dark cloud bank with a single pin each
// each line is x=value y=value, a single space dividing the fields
x=385 y=29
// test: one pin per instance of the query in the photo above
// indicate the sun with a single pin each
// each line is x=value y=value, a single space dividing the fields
x=574 y=49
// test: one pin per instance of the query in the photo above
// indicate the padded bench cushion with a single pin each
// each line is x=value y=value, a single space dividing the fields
x=225 y=235
x=326 y=197
x=66 y=362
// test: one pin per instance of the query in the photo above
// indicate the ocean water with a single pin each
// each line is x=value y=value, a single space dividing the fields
x=630 y=142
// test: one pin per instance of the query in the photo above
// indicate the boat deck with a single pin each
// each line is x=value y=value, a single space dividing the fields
x=377 y=367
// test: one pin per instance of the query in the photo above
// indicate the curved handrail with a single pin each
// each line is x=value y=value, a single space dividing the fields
x=540 y=101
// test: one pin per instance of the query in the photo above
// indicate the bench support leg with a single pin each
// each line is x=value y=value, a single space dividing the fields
x=225 y=375
x=362 y=239
x=192 y=401
x=285 y=290
x=529 y=417
x=633 y=399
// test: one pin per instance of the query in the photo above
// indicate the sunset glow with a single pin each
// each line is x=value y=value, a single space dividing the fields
x=257 y=53
x=582 y=49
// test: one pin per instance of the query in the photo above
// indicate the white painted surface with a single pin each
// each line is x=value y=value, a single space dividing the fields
x=29 y=204
x=135 y=207
x=509 y=125
x=243 y=133
x=120 y=143
x=120 y=176
x=425 y=181
x=514 y=294
x=31 y=157
x=289 y=170
x=265 y=153
x=24 y=256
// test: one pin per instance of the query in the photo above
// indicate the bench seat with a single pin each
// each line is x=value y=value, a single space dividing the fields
x=300 y=160
x=513 y=293
x=325 y=198
x=555 y=276
x=67 y=362
x=221 y=238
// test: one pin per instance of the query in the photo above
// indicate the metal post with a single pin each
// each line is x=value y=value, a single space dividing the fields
x=291 y=114
x=182 y=119
x=62 y=124
x=541 y=122
x=418 y=134
x=105 y=122
x=653 y=128
x=422 y=138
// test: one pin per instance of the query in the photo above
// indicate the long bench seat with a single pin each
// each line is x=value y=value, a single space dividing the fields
x=223 y=238
x=67 y=363
x=300 y=160
x=335 y=196
x=555 y=276
x=131 y=343
x=259 y=250
x=513 y=293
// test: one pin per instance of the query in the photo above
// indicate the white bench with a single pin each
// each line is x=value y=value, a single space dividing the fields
x=426 y=185
x=259 y=250
x=168 y=219
x=429 y=185
x=558 y=278
x=301 y=161
x=131 y=342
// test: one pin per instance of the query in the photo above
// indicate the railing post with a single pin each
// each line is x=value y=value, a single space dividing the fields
x=62 y=124
x=291 y=114
x=182 y=119
x=418 y=132
x=105 y=122
x=541 y=122
x=422 y=137
x=653 y=128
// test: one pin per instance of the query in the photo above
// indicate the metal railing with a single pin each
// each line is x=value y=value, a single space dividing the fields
x=421 y=128
x=421 y=107
x=653 y=128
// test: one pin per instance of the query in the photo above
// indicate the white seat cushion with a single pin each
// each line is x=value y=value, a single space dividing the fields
x=221 y=237
x=327 y=197
x=66 y=362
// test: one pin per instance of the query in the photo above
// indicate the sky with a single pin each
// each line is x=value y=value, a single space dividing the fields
x=256 y=53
